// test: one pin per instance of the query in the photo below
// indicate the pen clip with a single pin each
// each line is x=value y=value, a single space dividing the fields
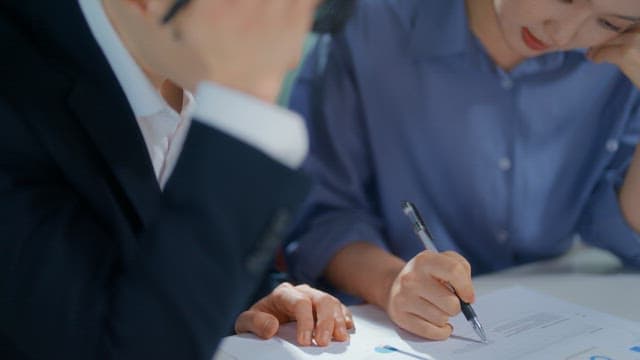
x=412 y=212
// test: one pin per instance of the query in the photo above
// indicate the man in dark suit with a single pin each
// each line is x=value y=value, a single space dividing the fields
x=136 y=221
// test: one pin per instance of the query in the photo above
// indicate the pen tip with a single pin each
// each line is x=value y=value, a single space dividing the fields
x=480 y=331
x=483 y=337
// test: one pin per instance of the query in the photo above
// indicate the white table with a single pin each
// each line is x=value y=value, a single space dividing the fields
x=585 y=276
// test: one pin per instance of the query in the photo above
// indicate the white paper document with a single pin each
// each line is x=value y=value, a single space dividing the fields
x=520 y=324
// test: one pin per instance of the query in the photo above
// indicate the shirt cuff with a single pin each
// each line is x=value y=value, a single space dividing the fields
x=279 y=133
x=605 y=226
x=310 y=253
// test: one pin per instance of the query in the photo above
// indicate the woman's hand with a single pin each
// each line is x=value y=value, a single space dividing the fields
x=319 y=315
x=419 y=300
x=623 y=51
x=630 y=193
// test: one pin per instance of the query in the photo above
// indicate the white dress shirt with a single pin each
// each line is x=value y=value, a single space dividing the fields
x=277 y=132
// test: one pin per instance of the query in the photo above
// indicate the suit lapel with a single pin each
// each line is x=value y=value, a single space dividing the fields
x=97 y=99
x=106 y=116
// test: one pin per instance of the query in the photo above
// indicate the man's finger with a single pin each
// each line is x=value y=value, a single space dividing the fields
x=299 y=307
x=348 y=317
x=303 y=313
x=327 y=314
x=331 y=322
x=259 y=323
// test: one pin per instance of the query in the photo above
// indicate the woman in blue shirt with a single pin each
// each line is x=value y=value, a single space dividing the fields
x=494 y=118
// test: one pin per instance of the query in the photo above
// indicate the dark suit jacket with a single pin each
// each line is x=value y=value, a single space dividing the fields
x=95 y=261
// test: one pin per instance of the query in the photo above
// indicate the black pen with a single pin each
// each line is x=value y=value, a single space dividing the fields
x=425 y=236
x=179 y=4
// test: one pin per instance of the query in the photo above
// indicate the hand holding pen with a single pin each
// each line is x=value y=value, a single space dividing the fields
x=425 y=236
x=420 y=302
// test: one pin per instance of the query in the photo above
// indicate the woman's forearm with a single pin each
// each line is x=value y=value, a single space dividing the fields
x=364 y=270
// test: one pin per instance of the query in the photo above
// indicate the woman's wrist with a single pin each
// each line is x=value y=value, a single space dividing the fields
x=365 y=270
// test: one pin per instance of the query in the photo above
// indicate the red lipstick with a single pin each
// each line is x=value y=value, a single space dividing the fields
x=533 y=42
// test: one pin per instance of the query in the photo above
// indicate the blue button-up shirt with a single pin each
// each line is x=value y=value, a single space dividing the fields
x=506 y=167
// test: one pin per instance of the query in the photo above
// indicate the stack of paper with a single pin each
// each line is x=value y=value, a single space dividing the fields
x=520 y=324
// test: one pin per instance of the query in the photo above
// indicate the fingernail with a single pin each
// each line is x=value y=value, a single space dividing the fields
x=307 y=337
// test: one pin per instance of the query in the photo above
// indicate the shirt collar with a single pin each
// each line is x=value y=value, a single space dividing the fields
x=436 y=28
x=142 y=96
x=188 y=104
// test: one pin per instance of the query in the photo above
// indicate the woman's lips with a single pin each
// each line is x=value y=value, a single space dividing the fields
x=533 y=42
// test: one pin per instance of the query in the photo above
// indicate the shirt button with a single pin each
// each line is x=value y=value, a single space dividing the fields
x=507 y=84
x=612 y=145
x=504 y=164
x=502 y=236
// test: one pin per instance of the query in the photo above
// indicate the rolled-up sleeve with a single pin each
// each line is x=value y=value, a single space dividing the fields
x=603 y=223
x=341 y=208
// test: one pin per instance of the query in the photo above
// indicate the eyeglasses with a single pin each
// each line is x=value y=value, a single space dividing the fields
x=177 y=6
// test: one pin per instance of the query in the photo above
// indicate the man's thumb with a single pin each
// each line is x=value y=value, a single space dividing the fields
x=261 y=324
